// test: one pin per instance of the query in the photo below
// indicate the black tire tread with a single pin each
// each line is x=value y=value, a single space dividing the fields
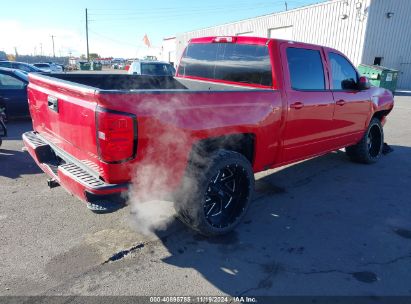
x=359 y=152
x=188 y=211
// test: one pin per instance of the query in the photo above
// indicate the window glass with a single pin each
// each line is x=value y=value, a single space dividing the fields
x=171 y=70
x=22 y=67
x=9 y=82
x=344 y=76
x=306 y=69
x=228 y=61
x=22 y=75
x=5 y=64
x=155 y=69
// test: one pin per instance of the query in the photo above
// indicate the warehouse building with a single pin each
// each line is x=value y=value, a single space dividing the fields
x=367 y=31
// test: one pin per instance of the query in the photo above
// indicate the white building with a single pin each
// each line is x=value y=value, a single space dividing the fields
x=168 y=50
x=367 y=31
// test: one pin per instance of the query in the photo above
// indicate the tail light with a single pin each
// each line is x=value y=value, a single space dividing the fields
x=116 y=136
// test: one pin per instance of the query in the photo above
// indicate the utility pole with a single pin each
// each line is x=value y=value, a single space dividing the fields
x=41 y=49
x=286 y=6
x=52 y=39
x=88 y=55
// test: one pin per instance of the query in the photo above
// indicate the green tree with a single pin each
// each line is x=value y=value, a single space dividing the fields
x=11 y=57
x=94 y=56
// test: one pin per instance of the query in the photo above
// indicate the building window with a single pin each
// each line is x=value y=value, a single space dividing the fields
x=377 y=60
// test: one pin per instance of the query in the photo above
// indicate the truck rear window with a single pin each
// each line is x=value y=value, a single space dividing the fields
x=156 y=69
x=243 y=63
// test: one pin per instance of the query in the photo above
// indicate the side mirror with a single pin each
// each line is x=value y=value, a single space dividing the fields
x=363 y=83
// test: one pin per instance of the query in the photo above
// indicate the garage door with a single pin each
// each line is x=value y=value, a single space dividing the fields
x=404 y=78
x=285 y=32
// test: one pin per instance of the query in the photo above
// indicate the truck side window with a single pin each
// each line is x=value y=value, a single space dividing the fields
x=343 y=74
x=306 y=69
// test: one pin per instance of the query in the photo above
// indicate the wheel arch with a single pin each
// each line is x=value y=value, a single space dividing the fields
x=380 y=115
x=243 y=143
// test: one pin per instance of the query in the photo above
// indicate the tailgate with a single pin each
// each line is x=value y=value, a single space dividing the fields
x=64 y=114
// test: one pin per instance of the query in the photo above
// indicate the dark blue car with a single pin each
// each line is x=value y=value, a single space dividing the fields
x=25 y=67
x=13 y=92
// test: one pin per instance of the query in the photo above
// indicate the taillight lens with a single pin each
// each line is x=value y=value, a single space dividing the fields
x=116 y=136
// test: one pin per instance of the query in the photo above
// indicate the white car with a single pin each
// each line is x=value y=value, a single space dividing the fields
x=49 y=67
x=154 y=68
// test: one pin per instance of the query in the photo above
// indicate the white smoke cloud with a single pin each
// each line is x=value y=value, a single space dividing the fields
x=152 y=203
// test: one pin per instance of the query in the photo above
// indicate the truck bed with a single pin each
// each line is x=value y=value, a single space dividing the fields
x=65 y=109
x=122 y=82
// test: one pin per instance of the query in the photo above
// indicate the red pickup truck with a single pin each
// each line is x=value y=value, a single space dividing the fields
x=237 y=105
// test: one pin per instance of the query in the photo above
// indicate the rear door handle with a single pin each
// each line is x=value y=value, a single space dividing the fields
x=297 y=105
x=340 y=102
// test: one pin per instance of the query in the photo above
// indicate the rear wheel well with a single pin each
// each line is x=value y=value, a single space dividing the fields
x=242 y=143
x=381 y=114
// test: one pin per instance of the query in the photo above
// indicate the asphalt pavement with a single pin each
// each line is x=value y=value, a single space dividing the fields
x=325 y=226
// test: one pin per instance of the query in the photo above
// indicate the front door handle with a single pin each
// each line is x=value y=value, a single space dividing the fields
x=340 y=102
x=297 y=105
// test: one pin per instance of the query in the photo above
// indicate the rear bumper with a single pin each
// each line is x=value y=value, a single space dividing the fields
x=71 y=174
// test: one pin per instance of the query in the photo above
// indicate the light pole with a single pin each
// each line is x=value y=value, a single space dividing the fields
x=88 y=55
x=52 y=39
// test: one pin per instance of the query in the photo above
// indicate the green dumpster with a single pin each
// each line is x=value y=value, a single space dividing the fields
x=85 y=66
x=96 y=66
x=380 y=76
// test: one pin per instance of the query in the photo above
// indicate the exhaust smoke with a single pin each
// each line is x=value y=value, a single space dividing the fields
x=165 y=178
x=154 y=177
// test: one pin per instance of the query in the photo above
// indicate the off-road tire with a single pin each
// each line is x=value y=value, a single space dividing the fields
x=369 y=149
x=217 y=194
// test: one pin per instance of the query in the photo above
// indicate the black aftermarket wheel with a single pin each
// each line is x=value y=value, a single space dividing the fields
x=369 y=149
x=223 y=194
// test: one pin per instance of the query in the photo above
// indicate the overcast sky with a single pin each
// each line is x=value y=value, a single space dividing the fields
x=116 y=28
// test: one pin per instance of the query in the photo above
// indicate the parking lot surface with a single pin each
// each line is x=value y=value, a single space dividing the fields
x=324 y=226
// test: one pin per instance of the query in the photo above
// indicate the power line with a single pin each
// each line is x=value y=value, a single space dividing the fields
x=167 y=16
x=114 y=40
x=179 y=10
x=150 y=14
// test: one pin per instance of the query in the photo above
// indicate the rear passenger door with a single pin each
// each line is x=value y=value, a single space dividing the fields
x=310 y=104
x=353 y=107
